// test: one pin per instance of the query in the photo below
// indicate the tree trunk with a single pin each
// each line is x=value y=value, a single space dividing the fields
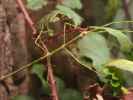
x=13 y=49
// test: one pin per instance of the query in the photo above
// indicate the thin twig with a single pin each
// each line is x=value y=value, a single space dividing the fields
x=77 y=60
x=51 y=80
x=26 y=14
x=45 y=56
x=57 y=50
x=118 y=22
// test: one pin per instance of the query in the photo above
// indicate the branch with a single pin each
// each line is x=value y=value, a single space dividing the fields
x=58 y=49
x=47 y=55
x=27 y=17
x=51 y=80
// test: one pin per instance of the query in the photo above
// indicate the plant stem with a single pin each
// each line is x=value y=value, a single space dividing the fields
x=57 y=50
x=26 y=14
x=51 y=80
x=45 y=56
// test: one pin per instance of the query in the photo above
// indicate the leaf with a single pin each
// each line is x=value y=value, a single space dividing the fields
x=70 y=14
x=74 y=4
x=94 y=46
x=38 y=70
x=51 y=17
x=71 y=94
x=36 y=4
x=126 y=67
x=124 y=41
x=122 y=64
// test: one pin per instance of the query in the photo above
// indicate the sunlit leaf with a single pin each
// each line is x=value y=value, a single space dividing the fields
x=74 y=4
x=51 y=17
x=94 y=46
x=36 y=4
x=70 y=14
x=122 y=64
x=126 y=67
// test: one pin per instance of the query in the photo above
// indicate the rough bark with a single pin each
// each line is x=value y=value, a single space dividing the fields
x=13 y=49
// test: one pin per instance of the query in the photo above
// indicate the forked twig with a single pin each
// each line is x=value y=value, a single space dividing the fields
x=51 y=80
x=45 y=50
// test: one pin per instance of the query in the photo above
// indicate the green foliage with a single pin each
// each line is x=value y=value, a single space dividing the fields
x=70 y=14
x=38 y=70
x=60 y=84
x=121 y=37
x=51 y=17
x=64 y=93
x=74 y=4
x=129 y=55
x=71 y=94
x=36 y=4
x=126 y=68
x=67 y=93
x=66 y=9
x=124 y=41
x=94 y=46
x=111 y=8
x=114 y=79
x=122 y=64
x=22 y=97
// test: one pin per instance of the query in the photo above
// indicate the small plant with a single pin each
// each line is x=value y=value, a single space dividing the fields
x=90 y=48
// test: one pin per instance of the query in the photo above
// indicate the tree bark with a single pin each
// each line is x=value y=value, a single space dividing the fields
x=13 y=49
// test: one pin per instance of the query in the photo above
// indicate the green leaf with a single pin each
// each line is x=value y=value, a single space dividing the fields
x=51 y=17
x=115 y=84
x=94 y=46
x=122 y=64
x=70 y=94
x=70 y=14
x=36 y=4
x=126 y=67
x=124 y=41
x=74 y=4
x=38 y=70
